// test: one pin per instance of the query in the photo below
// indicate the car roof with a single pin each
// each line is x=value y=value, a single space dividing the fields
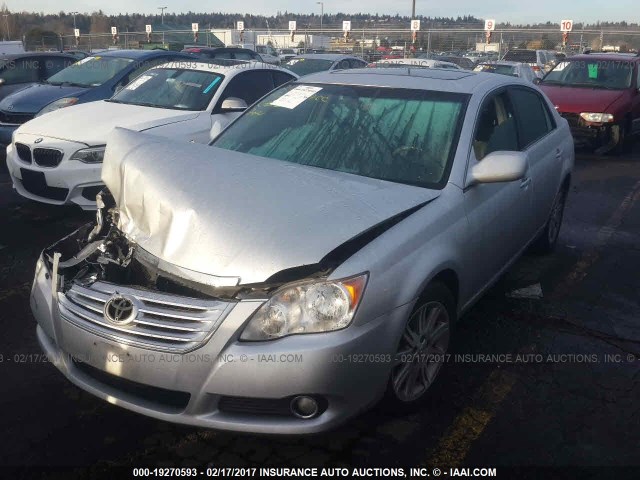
x=604 y=56
x=446 y=80
x=504 y=62
x=326 y=56
x=138 y=54
x=13 y=56
x=425 y=62
x=224 y=68
x=216 y=49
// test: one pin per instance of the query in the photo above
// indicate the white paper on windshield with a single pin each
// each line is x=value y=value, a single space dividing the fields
x=85 y=60
x=138 y=81
x=296 y=96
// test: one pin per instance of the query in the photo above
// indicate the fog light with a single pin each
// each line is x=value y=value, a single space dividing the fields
x=304 y=407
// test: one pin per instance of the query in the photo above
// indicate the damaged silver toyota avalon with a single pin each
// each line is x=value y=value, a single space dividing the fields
x=313 y=259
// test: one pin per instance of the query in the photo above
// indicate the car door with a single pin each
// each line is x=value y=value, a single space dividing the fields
x=540 y=139
x=249 y=86
x=635 y=108
x=499 y=214
x=19 y=73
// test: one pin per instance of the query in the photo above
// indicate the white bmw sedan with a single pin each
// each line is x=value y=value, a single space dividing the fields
x=56 y=158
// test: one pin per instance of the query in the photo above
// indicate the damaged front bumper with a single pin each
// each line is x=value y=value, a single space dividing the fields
x=182 y=361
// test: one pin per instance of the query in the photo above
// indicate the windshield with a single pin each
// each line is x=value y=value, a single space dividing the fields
x=305 y=66
x=171 y=88
x=90 y=72
x=525 y=56
x=399 y=135
x=499 y=69
x=608 y=74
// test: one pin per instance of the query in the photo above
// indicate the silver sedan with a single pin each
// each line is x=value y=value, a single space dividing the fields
x=311 y=261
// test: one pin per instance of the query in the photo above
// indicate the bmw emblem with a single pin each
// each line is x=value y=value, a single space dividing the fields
x=120 y=310
x=38 y=140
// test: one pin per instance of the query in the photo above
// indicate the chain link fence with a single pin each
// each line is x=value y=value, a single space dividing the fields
x=368 y=41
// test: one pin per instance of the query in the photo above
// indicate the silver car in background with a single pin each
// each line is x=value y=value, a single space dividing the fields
x=503 y=67
x=314 y=259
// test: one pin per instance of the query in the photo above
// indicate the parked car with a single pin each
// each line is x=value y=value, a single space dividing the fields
x=268 y=54
x=315 y=257
x=286 y=54
x=224 y=53
x=94 y=78
x=462 y=62
x=322 y=62
x=599 y=96
x=21 y=70
x=414 y=63
x=503 y=67
x=541 y=61
x=57 y=158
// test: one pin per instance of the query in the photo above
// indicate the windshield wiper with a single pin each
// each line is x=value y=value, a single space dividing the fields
x=67 y=84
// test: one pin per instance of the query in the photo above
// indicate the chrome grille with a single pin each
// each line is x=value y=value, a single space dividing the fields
x=164 y=322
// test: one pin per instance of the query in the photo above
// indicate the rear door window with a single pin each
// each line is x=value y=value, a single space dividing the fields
x=23 y=70
x=53 y=65
x=534 y=119
x=249 y=86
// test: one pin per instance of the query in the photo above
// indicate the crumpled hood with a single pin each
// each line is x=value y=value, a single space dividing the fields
x=34 y=98
x=578 y=100
x=91 y=123
x=230 y=214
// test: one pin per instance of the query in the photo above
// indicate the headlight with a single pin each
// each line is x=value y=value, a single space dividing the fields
x=307 y=307
x=597 y=117
x=60 y=103
x=89 y=155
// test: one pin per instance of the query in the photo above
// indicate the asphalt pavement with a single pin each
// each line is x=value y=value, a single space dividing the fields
x=549 y=380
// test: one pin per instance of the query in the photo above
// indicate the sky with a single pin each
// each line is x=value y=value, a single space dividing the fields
x=514 y=11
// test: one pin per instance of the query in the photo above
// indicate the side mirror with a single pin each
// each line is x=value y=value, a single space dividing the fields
x=500 y=167
x=233 y=104
x=537 y=80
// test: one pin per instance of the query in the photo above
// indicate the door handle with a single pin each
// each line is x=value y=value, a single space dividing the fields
x=558 y=154
x=525 y=182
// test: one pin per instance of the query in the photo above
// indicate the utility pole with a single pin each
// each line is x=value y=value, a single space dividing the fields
x=322 y=14
x=162 y=9
x=6 y=20
x=413 y=10
x=74 y=19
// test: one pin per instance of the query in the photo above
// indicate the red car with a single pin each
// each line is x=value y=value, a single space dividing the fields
x=599 y=96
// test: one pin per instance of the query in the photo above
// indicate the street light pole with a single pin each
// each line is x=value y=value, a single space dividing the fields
x=74 y=19
x=321 y=14
x=413 y=10
x=162 y=9
x=6 y=20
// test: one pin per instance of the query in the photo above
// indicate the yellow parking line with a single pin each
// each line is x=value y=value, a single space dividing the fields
x=469 y=425
x=19 y=290
x=591 y=255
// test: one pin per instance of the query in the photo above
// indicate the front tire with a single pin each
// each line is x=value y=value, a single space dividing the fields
x=422 y=348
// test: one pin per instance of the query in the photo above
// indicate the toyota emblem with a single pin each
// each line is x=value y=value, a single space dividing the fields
x=120 y=310
x=38 y=140
x=10 y=107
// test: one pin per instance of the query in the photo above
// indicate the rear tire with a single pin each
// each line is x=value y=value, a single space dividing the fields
x=422 y=348
x=548 y=239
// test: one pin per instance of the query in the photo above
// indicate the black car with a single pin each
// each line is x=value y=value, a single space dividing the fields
x=224 y=53
x=20 y=70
